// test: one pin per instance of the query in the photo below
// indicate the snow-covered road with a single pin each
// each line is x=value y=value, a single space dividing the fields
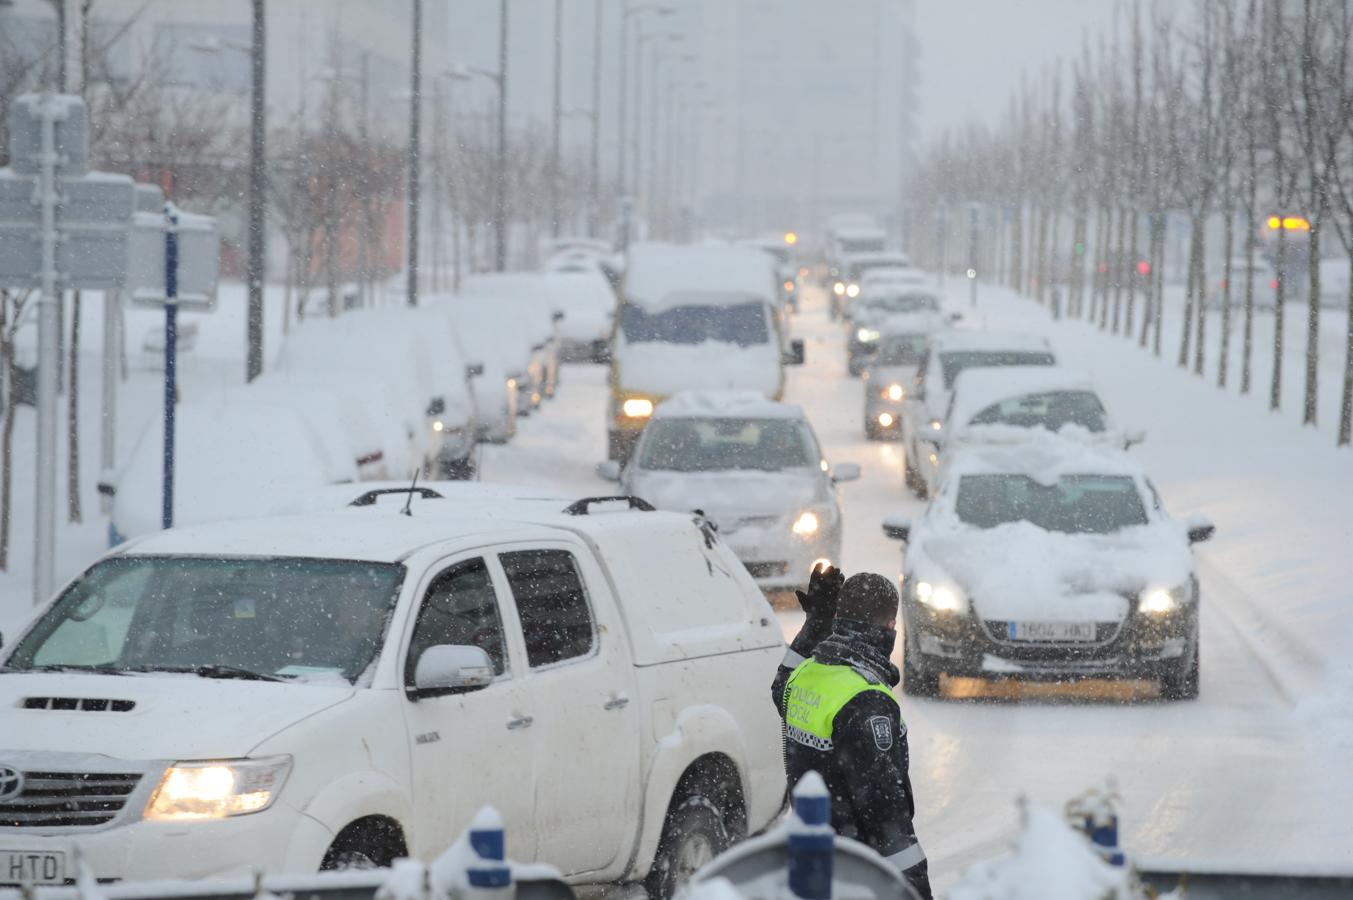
x=1252 y=771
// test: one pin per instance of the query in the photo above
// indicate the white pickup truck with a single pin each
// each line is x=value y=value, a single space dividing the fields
x=342 y=688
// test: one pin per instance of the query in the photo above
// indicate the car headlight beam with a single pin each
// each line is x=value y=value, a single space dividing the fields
x=637 y=407
x=807 y=524
x=938 y=597
x=867 y=335
x=191 y=791
x=894 y=392
x=852 y=290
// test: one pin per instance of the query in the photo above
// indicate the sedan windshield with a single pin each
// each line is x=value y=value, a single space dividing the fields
x=957 y=361
x=744 y=324
x=1077 y=504
x=903 y=302
x=702 y=445
x=243 y=617
x=901 y=350
x=1049 y=410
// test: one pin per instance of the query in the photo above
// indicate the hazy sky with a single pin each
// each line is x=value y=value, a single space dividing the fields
x=974 y=50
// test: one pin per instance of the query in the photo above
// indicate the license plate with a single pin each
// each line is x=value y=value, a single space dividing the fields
x=1052 y=631
x=32 y=866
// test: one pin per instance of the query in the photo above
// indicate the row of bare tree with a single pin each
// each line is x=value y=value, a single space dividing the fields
x=1229 y=112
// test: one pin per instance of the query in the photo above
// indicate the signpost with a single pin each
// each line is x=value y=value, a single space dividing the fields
x=88 y=235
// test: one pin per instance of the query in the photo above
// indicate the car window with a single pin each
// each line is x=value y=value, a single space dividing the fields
x=556 y=620
x=288 y=617
x=957 y=361
x=1076 y=504
x=460 y=608
x=1051 y=410
x=689 y=444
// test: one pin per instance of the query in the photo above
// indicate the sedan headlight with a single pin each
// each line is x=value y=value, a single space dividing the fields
x=894 y=392
x=807 y=524
x=216 y=790
x=852 y=290
x=839 y=289
x=938 y=597
x=1161 y=601
x=867 y=335
x=637 y=407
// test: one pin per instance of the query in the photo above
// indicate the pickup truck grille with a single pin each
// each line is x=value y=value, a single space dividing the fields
x=68 y=799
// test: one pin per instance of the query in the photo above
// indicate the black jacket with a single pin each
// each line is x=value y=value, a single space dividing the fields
x=866 y=769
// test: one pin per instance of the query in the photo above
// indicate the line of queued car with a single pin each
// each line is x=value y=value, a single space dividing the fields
x=1045 y=551
x=372 y=394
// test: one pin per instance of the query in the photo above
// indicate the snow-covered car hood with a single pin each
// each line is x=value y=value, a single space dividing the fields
x=731 y=496
x=175 y=717
x=1020 y=571
x=664 y=369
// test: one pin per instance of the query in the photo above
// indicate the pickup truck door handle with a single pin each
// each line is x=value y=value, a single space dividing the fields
x=619 y=701
x=519 y=722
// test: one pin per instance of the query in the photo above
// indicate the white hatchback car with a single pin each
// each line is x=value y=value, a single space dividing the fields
x=753 y=467
x=343 y=688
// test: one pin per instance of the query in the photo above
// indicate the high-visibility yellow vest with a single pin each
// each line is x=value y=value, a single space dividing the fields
x=814 y=695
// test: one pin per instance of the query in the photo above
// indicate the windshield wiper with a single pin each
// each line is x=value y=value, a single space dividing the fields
x=209 y=671
x=62 y=667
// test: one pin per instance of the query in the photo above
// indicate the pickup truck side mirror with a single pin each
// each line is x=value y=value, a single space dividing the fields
x=474 y=370
x=610 y=470
x=897 y=528
x=1200 y=529
x=846 y=471
x=795 y=355
x=449 y=669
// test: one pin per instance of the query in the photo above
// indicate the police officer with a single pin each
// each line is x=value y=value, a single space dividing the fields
x=834 y=693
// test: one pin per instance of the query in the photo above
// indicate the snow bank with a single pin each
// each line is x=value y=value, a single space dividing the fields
x=1050 y=861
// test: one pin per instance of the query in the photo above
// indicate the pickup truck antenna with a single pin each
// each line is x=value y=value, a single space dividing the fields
x=408 y=502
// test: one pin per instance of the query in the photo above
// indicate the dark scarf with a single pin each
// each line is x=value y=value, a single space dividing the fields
x=865 y=648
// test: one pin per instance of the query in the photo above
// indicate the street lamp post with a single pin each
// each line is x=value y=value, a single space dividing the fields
x=415 y=104
x=628 y=12
x=500 y=181
x=558 y=110
x=654 y=114
x=594 y=211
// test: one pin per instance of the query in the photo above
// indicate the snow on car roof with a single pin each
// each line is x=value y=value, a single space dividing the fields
x=656 y=272
x=910 y=323
x=726 y=404
x=1044 y=457
x=886 y=258
x=893 y=273
x=963 y=339
x=976 y=389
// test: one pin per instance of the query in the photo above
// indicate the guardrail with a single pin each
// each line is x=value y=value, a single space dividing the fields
x=1219 y=880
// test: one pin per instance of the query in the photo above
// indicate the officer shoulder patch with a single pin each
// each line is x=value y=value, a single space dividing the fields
x=882 y=729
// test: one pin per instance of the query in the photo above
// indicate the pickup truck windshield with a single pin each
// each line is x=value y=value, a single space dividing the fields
x=1049 y=410
x=901 y=350
x=1077 y=504
x=277 y=618
x=744 y=324
x=956 y=361
x=703 y=445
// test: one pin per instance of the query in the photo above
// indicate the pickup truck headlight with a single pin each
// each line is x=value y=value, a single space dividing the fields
x=191 y=791
x=867 y=335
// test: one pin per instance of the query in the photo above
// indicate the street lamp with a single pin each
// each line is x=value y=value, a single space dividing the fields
x=253 y=366
x=628 y=13
x=415 y=103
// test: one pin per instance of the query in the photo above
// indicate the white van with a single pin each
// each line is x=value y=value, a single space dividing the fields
x=342 y=688
x=693 y=318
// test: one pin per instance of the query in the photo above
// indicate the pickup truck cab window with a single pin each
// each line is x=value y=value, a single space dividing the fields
x=460 y=608
x=556 y=620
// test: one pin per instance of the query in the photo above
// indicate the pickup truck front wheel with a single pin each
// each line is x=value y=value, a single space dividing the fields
x=695 y=832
